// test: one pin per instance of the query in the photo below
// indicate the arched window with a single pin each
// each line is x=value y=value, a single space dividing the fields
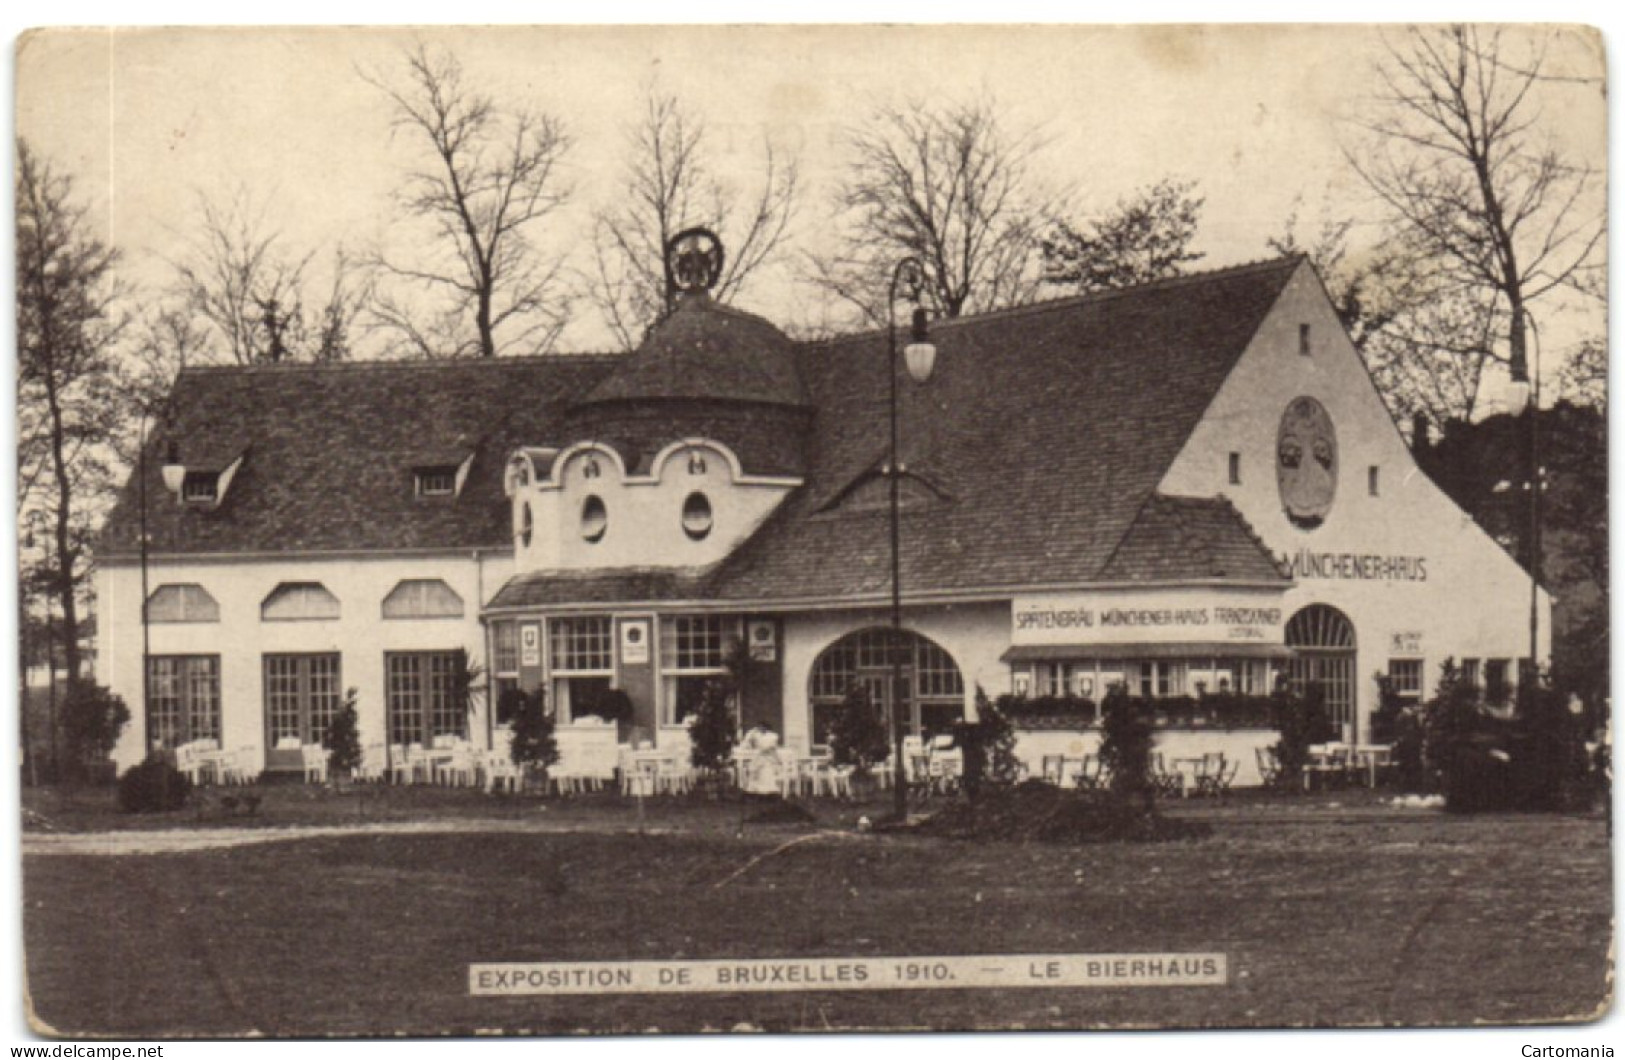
x=299 y=601
x=423 y=598
x=934 y=690
x=182 y=603
x=1322 y=639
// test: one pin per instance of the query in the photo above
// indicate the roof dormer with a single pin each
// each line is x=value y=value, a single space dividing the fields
x=441 y=473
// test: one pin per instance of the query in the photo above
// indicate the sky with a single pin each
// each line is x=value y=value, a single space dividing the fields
x=149 y=120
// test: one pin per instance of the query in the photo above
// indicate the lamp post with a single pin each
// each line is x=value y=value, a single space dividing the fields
x=920 y=356
x=1530 y=384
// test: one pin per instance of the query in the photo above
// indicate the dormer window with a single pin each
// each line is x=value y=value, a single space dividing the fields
x=201 y=487
x=438 y=481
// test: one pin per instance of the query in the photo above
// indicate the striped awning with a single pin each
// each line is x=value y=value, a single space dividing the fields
x=1159 y=650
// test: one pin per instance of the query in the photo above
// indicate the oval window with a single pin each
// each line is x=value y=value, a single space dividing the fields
x=527 y=525
x=696 y=516
x=594 y=519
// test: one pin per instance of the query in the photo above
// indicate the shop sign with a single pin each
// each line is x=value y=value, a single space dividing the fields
x=635 y=643
x=530 y=644
x=1167 y=617
x=1355 y=566
x=763 y=645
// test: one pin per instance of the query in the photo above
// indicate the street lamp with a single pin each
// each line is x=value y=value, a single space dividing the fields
x=1527 y=384
x=919 y=356
x=174 y=473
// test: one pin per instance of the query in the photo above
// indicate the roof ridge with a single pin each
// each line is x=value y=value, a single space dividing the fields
x=380 y=364
x=1066 y=301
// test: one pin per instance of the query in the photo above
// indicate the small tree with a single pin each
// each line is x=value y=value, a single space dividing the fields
x=1301 y=721
x=534 y=747
x=92 y=719
x=711 y=734
x=989 y=746
x=154 y=786
x=343 y=740
x=858 y=738
x=1125 y=748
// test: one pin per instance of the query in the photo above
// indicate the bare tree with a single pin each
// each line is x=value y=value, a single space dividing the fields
x=240 y=279
x=71 y=405
x=1454 y=154
x=1144 y=238
x=669 y=186
x=489 y=179
x=949 y=185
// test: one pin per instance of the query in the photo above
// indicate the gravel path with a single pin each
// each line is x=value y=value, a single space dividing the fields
x=182 y=842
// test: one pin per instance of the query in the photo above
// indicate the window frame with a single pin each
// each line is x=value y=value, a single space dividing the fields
x=443 y=476
x=412 y=682
x=181 y=591
x=316 y=697
x=186 y=699
x=286 y=589
x=399 y=591
x=572 y=637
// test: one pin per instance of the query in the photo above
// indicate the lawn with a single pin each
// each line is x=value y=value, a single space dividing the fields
x=1330 y=913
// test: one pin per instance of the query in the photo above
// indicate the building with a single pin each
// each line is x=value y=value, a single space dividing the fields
x=1190 y=485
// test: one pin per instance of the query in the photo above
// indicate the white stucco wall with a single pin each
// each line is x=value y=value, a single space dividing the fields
x=360 y=635
x=1474 y=600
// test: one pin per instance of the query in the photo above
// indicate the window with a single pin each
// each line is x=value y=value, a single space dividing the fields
x=1497 y=689
x=1372 y=479
x=423 y=598
x=298 y=602
x=435 y=481
x=1161 y=678
x=504 y=659
x=864 y=659
x=693 y=653
x=183 y=700
x=696 y=516
x=1469 y=672
x=1405 y=678
x=421 y=697
x=1235 y=469
x=200 y=487
x=594 y=519
x=582 y=645
x=182 y=603
x=527 y=524
x=1303 y=340
x=302 y=694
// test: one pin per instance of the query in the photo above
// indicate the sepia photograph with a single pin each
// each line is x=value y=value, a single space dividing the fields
x=541 y=530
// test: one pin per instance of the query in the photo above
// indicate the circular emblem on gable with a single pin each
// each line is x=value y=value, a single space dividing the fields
x=1306 y=462
x=694 y=259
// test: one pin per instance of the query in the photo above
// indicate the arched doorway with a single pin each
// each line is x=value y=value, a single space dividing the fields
x=1322 y=640
x=931 y=704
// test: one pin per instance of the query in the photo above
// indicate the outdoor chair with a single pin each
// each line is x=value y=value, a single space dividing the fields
x=1087 y=776
x=1218 y=773
x=838 y=779
x=673 y=777
x=1164 y=781
x=1052 y=767
x=241 y=766
x=372 y=763
x=458 y=770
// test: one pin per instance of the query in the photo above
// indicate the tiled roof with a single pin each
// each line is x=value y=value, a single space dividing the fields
x=1047 y=427
x=706 y=350
x=1042 y=436
x=1189 y=538
x=332 y=449
x=552 y=588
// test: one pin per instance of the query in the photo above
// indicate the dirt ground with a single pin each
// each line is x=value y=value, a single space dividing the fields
x=1330 y=911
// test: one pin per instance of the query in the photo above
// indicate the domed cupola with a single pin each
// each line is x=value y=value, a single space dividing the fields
x=704 y=370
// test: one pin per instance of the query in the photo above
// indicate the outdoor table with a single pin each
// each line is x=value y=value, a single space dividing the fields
x=212 y=762
x=645 y=770
x=1190 y=772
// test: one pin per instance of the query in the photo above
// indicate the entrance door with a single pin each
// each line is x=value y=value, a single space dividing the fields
x=1323 y=639
x=302 y=693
